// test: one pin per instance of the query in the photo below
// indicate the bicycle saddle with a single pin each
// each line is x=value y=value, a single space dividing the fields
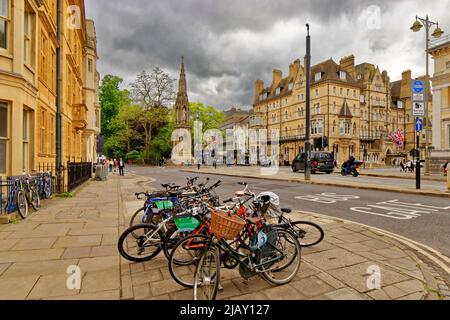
x=286 y=210
x=254 y=220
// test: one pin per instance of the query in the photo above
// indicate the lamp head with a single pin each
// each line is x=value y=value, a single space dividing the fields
x=416 y=26
x=438 y=32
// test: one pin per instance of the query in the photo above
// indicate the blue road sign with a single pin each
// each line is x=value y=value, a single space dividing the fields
x=418 y=86
x=419 y=124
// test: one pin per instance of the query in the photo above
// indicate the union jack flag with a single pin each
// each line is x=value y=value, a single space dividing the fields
x=398 y=137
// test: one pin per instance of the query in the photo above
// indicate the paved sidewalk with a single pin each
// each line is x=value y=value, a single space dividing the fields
x=434 y=188
x=83 y=231
x=391 y=172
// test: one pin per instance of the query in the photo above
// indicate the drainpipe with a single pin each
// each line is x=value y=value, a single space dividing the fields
x=59 y=169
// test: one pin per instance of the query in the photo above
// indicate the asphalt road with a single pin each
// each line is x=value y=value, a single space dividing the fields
x=425 y=219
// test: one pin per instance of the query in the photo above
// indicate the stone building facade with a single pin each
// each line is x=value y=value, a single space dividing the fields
x=440 y=50
x=353 y=111
x=28 y=42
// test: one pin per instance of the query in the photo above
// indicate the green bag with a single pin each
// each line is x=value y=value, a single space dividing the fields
x=186 y=223
x=164 y=204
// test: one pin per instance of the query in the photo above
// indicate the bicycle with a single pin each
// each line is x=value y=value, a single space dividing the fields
x=46 y=185
x=18 y=197
x=31 y=192
x=269 y=249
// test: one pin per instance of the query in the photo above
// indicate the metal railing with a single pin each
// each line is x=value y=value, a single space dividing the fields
x=8 y=202
x=78 y=173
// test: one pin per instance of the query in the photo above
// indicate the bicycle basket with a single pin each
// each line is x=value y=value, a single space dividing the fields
x=186 y=223
x=225 y=226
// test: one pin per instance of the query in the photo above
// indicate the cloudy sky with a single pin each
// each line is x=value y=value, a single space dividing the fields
x=229 y=44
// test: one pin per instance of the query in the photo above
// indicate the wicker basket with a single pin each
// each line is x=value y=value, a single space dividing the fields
x=224 y=226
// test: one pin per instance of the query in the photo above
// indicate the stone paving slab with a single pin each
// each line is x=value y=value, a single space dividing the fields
x=35 y=255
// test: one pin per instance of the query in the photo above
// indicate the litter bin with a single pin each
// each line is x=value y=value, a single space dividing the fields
x=101 y=173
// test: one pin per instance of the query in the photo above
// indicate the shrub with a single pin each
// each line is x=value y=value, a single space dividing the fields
x=133 y=155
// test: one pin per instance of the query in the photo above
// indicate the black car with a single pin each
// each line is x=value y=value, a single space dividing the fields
x=320 y=162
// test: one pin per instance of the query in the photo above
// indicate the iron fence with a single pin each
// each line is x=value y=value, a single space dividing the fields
x=78 y=173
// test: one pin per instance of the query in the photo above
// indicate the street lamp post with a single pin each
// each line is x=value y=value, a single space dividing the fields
x=308 y=107
x=417 y=26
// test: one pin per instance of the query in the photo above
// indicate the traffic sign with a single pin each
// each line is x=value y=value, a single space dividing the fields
x=419 y=124
x=418 y=97
x=418 y=109
x=418 y=86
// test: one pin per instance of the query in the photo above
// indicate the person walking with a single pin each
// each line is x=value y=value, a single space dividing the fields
x=110 y=163
x=121 y=167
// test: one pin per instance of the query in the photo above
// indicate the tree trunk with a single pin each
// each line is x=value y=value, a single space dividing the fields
x=148 y=138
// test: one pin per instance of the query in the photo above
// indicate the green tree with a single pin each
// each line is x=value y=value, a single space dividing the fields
x=162 y=142
x=125 y=135
x=111 y=99
x=211 y=117
x=154 y=93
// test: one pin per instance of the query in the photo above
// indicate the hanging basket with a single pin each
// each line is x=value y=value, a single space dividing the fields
x=225 y=226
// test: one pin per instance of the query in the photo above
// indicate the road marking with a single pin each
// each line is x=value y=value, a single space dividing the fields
x=442 y=260
x=327 y=198
x=395 y=209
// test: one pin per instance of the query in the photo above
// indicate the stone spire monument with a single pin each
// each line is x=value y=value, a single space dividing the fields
x=182 y=112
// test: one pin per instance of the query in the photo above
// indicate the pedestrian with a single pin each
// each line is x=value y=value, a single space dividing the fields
x=110 y=163
x=121 y=167
x=445 y=168
x=115 y=165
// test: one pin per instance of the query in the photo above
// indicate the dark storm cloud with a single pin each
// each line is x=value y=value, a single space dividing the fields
x=229 y=44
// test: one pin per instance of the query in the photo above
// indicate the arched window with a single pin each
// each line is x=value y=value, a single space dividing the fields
x=334 y=126
x=354 y=128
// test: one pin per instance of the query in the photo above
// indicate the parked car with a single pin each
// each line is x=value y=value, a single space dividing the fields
x=321 y=161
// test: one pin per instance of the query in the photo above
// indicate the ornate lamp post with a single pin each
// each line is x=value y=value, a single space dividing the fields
x=416 y=27
x=308 y=107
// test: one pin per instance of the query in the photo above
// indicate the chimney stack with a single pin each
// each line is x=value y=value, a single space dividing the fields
x=348 y=64
x=405 y=90
x=277 y=76
x=259 y=87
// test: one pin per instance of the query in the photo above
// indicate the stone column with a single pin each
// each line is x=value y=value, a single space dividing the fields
x=437 y=119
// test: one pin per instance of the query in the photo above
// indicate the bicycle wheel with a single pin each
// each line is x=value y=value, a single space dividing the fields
x=137 y=217
x=184 y=258
x=22 y=204
x=172 y=237
x=144 y=247
x=207 y=275
x=286 y=247
x=35 y=200
x=308 y=233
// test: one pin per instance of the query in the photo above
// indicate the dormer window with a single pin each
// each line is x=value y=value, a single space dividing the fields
x=359 y=76
x=343 y=75
x=318 y=76
x=290 y=86
x=400 y=104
